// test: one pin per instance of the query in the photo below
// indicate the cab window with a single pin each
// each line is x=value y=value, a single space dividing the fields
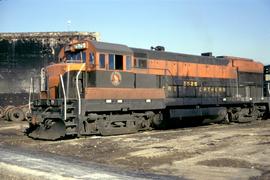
x=76 y=56
x=119 y=62
x=115 y=62
x=92 y=58
x=83 y=54
x=101 y=60
x=128 y=62
x=111 y=61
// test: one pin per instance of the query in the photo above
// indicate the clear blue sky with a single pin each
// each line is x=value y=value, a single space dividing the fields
x=224 y=27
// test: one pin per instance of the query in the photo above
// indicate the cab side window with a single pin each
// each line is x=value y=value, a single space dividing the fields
x=111 y=61
x=92 y=58
x=119 y=62
x=115 y=62
x=101 y=60
x=128 y=62
x=83 y=57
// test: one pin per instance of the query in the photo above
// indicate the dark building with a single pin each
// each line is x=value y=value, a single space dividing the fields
x=22 y=55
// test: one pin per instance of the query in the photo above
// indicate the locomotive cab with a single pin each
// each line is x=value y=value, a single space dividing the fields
x=72 y=59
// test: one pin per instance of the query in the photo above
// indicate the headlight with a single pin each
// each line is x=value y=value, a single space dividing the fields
x=80 y=46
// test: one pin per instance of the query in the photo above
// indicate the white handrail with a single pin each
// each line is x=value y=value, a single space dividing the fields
x=65 y=98
x=78 y=90
x=237 y=85
x=30 y=94
x=268 y=87
x=68 y=77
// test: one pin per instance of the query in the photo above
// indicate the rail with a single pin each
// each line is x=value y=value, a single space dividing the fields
x=268 y=88
x=166 y=71
x=78 y=90
x=65 y=98
x=30 y=94
x=68 y=77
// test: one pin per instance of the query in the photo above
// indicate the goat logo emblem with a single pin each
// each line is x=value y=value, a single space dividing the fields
x=116 y=78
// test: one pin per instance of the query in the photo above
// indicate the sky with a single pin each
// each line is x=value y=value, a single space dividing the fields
x=225 y=27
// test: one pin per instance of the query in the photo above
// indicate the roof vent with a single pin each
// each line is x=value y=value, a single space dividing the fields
x=158 y=48
x=207 y=54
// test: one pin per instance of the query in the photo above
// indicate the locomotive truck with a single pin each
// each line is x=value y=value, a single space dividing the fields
x=108 y=89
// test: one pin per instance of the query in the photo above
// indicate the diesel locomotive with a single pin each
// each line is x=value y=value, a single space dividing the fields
x=108 y=89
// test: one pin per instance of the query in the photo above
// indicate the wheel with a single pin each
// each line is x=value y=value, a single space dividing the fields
x=226 y=119
x=158 y=121
x=16 y=114
x=6 y=112
x=1 y=112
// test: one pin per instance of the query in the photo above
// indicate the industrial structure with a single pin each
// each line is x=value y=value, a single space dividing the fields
x=22 y=55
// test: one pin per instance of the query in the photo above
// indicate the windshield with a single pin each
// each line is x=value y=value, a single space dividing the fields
x=76 y=56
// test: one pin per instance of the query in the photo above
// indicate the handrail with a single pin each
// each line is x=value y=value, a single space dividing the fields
x=268 y=88
x=78 y=90
x=65 y=98
x=161 y=69
x=68 y=77
x=30 y=94
x=237 y=83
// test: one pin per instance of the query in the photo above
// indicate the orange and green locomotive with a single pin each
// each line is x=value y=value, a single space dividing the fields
x=104 y=88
